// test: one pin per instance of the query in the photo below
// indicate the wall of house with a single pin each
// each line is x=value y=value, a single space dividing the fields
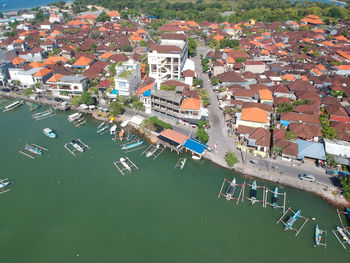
x=251 y=124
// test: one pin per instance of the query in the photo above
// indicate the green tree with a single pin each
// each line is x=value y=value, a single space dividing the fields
x=192 y=46
x=215 y=81
x=289 y=135
x=202 y=135
x=285 y=107
x=86 y=98
x=143 y=43
x=231 y=159
x=103 y=17
x=75 y=101
x=345 y=183
x=116 y=108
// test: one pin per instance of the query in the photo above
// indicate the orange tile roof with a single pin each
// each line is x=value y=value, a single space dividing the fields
x=218 y=38
x=18 y=40
x=288 y=77
x=83 y=61
x=230 y=60
x=265 y=94
x=259 y=38
x=113 y=13
x=319 y=37
x=345 y=54
x=264 y=52
x=343 y=67
x=43 y=72
x=191 y=104
x=328 y=43
x=88 y=16
x=174 y=136
x=54 y=60
x=256 y=43
x=144 y=89
x=317 y=71
x=185 y=27
x=280 y=44
x=106 y=55
x=321 y=67
x=293 y=23
x=341 y=38
x=55 y=32
x=140 y=31
x=36 y=64
x=303 y=77
x=284 y=53
x=55 y=78
x=18 y=60
x=135 y=37
x=192 y=23
x=254 y=114
x=213 y=26
x=319 y=30
x=102 y=28
x=50 y=37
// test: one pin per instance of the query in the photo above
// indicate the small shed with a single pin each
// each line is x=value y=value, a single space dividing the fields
x=196 y=147
x=171 y=138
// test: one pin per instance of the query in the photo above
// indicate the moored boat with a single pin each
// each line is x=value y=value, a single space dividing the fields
x=253 y=193
x=292 y=220
x=123 y=162
x=113 y=129
x=132 y=145
x=33 y=149
x=49 y=133
x=13 y=105
x=76 y=146
x=348 y=213
x=343 y=235
x=152 y=151
x=230 y=189
x=318 y=237
x=4 y=184
x=275 y=198
x=102 y=129
x=74 y=116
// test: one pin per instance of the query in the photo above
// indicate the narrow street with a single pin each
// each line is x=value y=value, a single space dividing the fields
x=218 y=135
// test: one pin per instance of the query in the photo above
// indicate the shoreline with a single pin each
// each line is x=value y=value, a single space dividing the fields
x=326 y=192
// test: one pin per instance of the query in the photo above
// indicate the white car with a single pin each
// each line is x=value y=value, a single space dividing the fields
x=307 y=177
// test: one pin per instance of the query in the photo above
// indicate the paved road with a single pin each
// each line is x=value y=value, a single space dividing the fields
x=218 y=135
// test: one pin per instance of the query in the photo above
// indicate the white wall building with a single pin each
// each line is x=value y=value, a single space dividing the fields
x=127 y=79
x=71 y=84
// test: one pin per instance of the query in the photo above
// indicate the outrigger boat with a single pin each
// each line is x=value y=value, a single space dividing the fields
x=101 y=124
x=74 y=116
x=33 y=149
x=13 y=105
x=132 y=145
x=113 y=129
x=123 y=162
x=275 y=198
x=102 y=129
x=343 y=235
x=4 y=184
x=253 y=193
x=35 y=107
x=230 y=189
x=292 y=220
x=348 y=213
x=152 y=151
x=318 y=234
x=77 y=146
x=49 y=133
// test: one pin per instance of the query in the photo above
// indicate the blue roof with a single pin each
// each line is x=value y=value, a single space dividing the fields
x=314 y=150
x=195 y=146
x=114 y=92
x=147 y=93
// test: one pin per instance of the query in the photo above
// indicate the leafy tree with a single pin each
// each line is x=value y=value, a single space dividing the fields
x=143 y=43
x=75 y=101
x=205 y=68
x=86 y=98
x=327 y=130
x=330 y=160
x=127 y=48
x=202 y=135
x=215 y=81
x=116 y=108
x=192 y=46
x=103 y=17
x=285 y=107
x=289 y=135
x=240 y=60
x=345 y=183
x=231 y=159
x=197 y=81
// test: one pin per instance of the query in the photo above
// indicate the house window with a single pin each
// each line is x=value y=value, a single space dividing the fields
x=121 y=84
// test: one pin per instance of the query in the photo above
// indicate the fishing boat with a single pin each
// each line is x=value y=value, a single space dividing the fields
x=348 y=213
x=76 y=146
x=275 y=198
x=230 y=189
x=195 y=157
x=152 y=151
x=318 y=237
x=33 y=149
x=113 y=129
x=101 y=124
x=74 y=116
x=4 y=184
x=35 y=107
x=343 y=235
x=183 y=162
x=132 y=145
x=292 y=220
x=102 y=129
x=123 y=162
x=253 y=193
x=49 y=133
x=13 y=105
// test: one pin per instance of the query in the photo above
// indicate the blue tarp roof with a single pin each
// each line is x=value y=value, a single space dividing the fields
x=195 y=146
x=147 y=93
x=314 y=150
x=114 y=92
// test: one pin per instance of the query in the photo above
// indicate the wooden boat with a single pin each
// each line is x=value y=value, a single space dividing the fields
x=231 y=189
x=132 y=145
x=101 y=125
x=253 y=193
x=275 y=198
x=292 y=220
x=74 y=116
x=77 y=146
x=35 y=107
x=195 y=157
x=126 y=166
x=49 y=133
x=348 y=213
x=318 y=237
x=183 y=162
x=13 y=105
x=343 y=235
x=33 y=149
x=4 y=184
x=152 y=151
x=102 y=129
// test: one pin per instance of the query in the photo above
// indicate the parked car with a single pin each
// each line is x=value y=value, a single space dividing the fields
x=307 y=177
x=5 y=90
x=58 y=99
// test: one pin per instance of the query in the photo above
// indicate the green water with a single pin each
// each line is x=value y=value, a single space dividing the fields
x=80 y=209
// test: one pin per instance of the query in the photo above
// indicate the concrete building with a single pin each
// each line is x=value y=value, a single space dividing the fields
x=4 y=71
x=166 y=61
x=58 y=84
x=127 y=79
x=28 y=78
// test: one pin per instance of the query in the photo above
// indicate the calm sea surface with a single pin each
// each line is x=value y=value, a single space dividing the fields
x=63 y=208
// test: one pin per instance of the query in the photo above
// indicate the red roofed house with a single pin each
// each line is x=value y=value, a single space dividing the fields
x=343 y=70
x=191 y=108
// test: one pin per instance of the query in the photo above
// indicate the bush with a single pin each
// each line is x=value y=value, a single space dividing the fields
x=231 y=159
x=290 y=135
x=158 y=122
x=116 y=108
x=202 y=135
x=345 y=183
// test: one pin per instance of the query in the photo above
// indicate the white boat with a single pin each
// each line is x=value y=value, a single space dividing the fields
x=343 y=235
x=4 y=184
x=76 y=146
x=123 y=162
x=74 y=116
x=195 y=157
x=13 y=105
x=124 y=123
x=49 y=133
x=113 y=129
x=152 y=151
x=101 y=124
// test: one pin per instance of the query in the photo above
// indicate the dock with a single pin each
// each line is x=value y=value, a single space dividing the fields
x=124 y=164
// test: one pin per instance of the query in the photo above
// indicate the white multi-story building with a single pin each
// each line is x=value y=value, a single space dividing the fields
x=166 y=60
x=59 y=84
x=127 y=79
